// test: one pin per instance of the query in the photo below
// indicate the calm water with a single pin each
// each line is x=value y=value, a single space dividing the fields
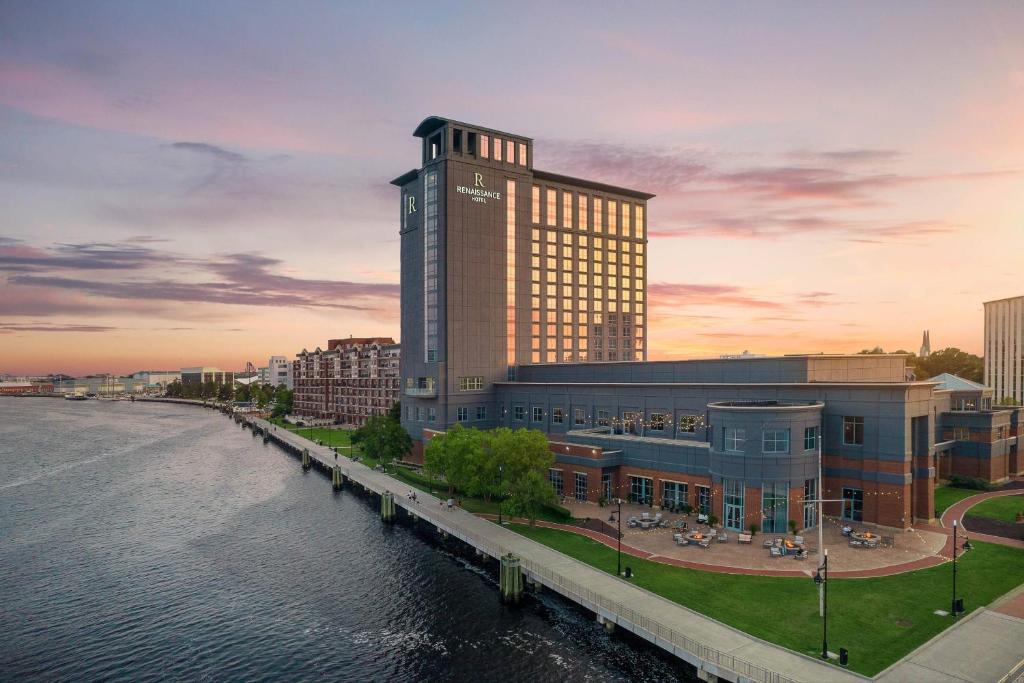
x=158 y=542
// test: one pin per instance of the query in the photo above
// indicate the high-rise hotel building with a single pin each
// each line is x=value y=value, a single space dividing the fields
x=505 y=265
x=1004 y=348
x=524 y=305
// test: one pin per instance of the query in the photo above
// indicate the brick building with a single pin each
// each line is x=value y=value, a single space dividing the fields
x=348 y=382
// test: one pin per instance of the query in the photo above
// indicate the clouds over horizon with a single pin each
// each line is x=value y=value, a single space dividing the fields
x=106 y=275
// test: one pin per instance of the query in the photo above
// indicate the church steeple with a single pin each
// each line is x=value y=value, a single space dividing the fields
x=926 y=346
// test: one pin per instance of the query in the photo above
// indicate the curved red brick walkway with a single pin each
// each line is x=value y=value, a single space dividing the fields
x=922 y=563
x=957 y=511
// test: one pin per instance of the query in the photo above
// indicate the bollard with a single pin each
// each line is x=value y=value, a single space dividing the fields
x=306 y=464
x=387 y=507
x=511 y=580
x=337 y=479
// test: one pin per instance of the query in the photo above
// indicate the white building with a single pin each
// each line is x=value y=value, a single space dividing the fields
x=279 y=370
x=1004 y=348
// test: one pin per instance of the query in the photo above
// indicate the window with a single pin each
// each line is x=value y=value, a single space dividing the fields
x=579 y=417
x=810 y=438
x=566 y=210
x=518 y=413
x=853 y=504
x=602 y=415
x=551 y=204
x=430 y=266
x=463 y=414
x=657 y=422
x=598 y=217
x=420 y=414
x=606 y=485
x=674 y=494
x=810 y=509
x=961 y=434
x=735 y=439
x=775 y=441
x=612 y=217
x=471 y=383
x=535 y=206
x=640 y=490
x=481 y=413
x=471 y=143
x=581 y=486
x=431 y=414
x=456 y=140
x=510 y=152
x=774 y=507
x=582 y=211
x=638 y=225
x=853 y=431
x=522 y=154
x=555 y=477
x=733 y=508
x=688 y=423
x=557 y=415
x=704 y=500
x=497 y=149
x=484 y=146
x=538 y=414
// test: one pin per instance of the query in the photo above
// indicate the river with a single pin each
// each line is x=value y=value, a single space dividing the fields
x=156 y=542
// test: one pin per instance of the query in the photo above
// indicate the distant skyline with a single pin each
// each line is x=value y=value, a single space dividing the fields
x=207 y=184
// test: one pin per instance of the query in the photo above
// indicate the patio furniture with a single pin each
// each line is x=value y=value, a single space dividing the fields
x=745 y=538
x=702 y=518
x=712 y=532
x=799 y=540
x=777 y=542
x=677 y=537
x=801 y=555
x=767 y=543
x=854 y=543
x=706 y=543
x=633 y=522
x=888 y=542
x=847 y=531
x=775 y=552
x=723 y=538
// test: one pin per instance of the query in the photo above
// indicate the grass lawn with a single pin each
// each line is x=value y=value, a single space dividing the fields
x=879 y=620
x=945 y=496
x=329 y=437
x=1004 y=509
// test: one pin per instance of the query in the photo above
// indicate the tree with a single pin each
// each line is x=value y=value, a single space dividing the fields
x=449 y=455
x=383 y=438
x=243 y=393
x=955 y=362
x=525 y=457
x=283 y=401
x=1007 y=401
x=225 y=394
x=395 y=411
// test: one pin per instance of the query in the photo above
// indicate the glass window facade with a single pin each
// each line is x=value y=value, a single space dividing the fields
x=510 y=273
x=462 y=414
x=853 y=504
x=674 y=494
x=810 y=438
x=704 y=500
x=538 y=414
x=471 y=383
x=688 y=423
x=555 y=477
x=430 y=267
x=810 y=509
x=551 y=207
x=735 y=439
x=522 y=154
x=641 y=489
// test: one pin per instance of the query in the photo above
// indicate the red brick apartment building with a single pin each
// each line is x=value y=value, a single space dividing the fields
x=352 y=380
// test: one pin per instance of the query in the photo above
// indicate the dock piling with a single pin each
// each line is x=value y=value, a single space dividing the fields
x=511 y=580
x=306 y=463
x=387 y=506
x=337 y=478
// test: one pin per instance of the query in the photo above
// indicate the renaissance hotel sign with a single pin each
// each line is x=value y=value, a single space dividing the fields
x=479 y=192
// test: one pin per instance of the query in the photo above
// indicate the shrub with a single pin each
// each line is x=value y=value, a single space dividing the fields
x=973 y=483
x=792 y=526
x=712 y=520
x=754 y=528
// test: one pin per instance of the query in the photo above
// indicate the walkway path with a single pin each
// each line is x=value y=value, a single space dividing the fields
x=957 y=510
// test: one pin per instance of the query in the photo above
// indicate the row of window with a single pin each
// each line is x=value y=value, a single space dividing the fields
x=429 y=414
x=591 y=213
x=471 y=383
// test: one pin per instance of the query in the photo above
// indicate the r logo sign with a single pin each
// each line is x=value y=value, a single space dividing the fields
x=478 y=180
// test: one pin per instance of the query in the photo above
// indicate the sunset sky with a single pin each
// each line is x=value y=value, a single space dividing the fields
x=194 y=183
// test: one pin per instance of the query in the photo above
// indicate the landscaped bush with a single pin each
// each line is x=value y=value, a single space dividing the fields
x=974 y=483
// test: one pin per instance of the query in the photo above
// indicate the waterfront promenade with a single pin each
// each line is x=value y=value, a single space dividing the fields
x=709 y=645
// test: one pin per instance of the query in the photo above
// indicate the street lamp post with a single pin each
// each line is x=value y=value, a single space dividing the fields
x=501 y=470
x=822 y=581
x=618 y=571
x=953 y=605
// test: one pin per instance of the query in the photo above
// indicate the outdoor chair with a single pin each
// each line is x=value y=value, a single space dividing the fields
x=799 y=540
x=802 y=555
x=744 y=538
x=712 y=532
x=702 y=519
x=775 y=552
x=854 y=543
x=706 y=543
x=767 y=543
x=778 y=542
x=723 y=538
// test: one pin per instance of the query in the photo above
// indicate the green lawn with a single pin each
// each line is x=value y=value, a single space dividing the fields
x=329 y=436
x=945 y=496
x=879 y=620
x=1004 y=509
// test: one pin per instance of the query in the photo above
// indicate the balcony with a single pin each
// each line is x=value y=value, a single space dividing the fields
x=421 y=392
